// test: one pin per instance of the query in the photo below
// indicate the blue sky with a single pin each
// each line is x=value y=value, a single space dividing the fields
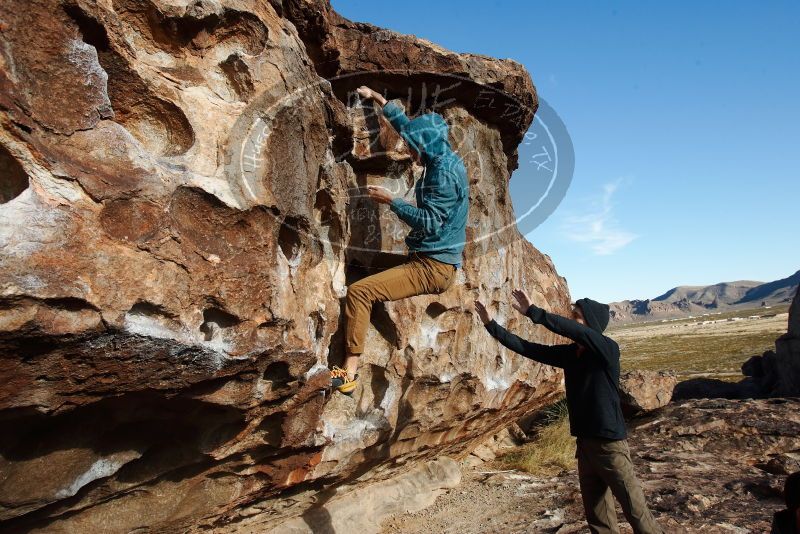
x=685 y=119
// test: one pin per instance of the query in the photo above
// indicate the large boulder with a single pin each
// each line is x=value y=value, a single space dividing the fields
x=714 y=388
x=794 y=316
x=644 y=391
x=180 y=216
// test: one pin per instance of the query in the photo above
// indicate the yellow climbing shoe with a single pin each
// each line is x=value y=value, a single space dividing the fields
x=341 y=382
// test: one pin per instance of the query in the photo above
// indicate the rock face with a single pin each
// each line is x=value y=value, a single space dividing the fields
x=644 y=391
x=180 y=215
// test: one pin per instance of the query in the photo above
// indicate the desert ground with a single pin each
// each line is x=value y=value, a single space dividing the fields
x=713 y=345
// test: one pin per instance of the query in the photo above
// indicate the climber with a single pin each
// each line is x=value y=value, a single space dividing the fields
x=591 y=375
x=435 y=241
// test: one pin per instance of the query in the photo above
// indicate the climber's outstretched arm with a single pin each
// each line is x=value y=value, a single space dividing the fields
x=377 y=193
x=366 y=92
x=393 y=113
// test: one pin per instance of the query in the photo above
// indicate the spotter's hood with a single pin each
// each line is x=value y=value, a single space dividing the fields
x=595 y=313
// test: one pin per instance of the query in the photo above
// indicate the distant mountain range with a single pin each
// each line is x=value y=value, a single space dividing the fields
x=695 y=300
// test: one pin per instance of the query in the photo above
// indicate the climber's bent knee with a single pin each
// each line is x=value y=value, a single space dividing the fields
x=358 y=291
x=406 y=280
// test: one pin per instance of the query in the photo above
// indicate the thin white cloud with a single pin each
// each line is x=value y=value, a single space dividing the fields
x=597 y=227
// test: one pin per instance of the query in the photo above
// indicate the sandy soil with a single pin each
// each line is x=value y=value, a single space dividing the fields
x=708 y=327
x=491 y=501
x=714 y=346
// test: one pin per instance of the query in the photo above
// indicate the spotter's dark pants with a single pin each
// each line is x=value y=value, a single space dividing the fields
x=605 y=471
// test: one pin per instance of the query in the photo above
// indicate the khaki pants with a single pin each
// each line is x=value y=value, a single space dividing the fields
x=605 y=469
x=416 y=275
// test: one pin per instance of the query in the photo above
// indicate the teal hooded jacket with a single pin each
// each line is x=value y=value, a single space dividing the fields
x=439 y=220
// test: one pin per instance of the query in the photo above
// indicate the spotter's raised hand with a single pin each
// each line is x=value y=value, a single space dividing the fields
x=521 y=301
x=483 y=313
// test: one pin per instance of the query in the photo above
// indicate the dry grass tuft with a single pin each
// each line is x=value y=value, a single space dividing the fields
x=551 y=451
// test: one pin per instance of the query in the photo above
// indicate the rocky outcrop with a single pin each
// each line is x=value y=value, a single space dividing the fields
x=776 y=373
x=714 y=388
x=644 y=391
x=710 y=463
x=180 y=215
x=683 y=301
x=364 y=509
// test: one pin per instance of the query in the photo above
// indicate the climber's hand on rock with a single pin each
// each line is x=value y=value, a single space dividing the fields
x=365 y=92
x=379 y=194
x=483 y=313
x=522 y=301
x=368 y=94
